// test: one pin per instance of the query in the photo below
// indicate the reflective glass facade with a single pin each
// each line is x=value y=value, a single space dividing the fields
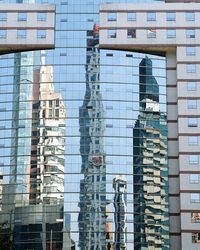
x=83 y=142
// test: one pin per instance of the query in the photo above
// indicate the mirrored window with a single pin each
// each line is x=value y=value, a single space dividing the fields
x=189 y=16
x=22 y=16
x=190 y=33
x=171 y=33
x=192 y=122
x=193 y=140
x=194 y=178
x=131 y=33
x=191 y=68
x=21 y=33
x=195 y=198
x=112 y=16
x=151 y=33
x=112 y=33
x=191 y=86
x=193 y=159
x=3 y=33
x=151 y=16
x=41 y=16
x=171 y=16
x=190 y=51
x=3 y=16
x=195 y=217
x=131 y=16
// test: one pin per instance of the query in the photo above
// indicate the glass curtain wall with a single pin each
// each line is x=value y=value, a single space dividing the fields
x=77 y=126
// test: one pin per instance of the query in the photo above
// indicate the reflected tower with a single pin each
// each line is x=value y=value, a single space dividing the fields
x=151 y=225
x=120 y=204
x=48 y=142
x=92 y=216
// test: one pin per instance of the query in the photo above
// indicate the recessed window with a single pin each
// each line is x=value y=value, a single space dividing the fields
x=190 y=33
x=171 y=33
x=41 y=16
x=192 y=122
x=22 y=16
x=151 y=33
x=189 y=16
x=41 y=34
x=171 y=16
x=190 y=51
x=193 y=159
x=191 y=86
x=191 y=68
x=131 y=16
x=112 y=16
x=192 y=140
x=21 y=33
x=131 y=33
x=3 y=34
x=192 y=104
x=195 y=217
x=3 y=16
x=112 y=33
x=195 y=197
x=196 y=237
x=194 y=178
x=151 y=16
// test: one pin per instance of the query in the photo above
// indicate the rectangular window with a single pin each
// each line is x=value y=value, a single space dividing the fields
x=112 y=16
x=41 y=34
x=151 y=33
x=112 y=33
x=195 y=198
x=194 y=178
x=189 y=16
x=193 y=159
x=190 y=33
x=195 y=217
x=191 y=68
x=131 y=33
x=131 y=16
x=192 y=140
x=41 y=16
x=151 y=16
x=171 y=16
x=21 y=33
x=196 y=237
x=22 y=16
x=192 y=122
x=171 y=33
x=191 y=86
x=3 y=16
x=190 y=51
x=3 y=34
x=192 y=104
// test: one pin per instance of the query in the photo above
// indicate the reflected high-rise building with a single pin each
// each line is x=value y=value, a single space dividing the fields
x=120 y=204
x=92 y=216
x=151 y=225
x=44 y=175
x=48 y=142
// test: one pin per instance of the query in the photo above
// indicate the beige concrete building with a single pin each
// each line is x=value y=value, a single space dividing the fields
x=22 y=27
x=171 y=29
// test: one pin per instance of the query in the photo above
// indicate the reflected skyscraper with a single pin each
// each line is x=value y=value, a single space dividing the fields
x=48 y=142
x=151 y=224
x=92 y=216
x=120 y=204
x=45 y=171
